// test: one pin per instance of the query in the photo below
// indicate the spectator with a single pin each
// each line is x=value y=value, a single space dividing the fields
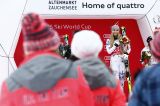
x=86 y=46
x=44 y=78
x=146 y=91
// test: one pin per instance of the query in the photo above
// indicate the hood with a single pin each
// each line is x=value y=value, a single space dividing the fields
x=96 y=73
x=41 y=73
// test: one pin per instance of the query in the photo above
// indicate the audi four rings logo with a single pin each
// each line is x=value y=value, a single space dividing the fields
x=106 y=35
x=156 y=19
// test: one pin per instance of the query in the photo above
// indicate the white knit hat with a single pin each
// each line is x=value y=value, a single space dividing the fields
x=86 y=43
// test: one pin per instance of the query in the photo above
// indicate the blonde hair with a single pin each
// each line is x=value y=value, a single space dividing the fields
x=112 y=39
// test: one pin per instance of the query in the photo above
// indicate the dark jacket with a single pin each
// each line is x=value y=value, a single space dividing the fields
x=146 y=91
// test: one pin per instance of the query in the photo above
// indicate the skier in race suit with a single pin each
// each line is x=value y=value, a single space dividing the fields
x=118 y=57
x=147 y=58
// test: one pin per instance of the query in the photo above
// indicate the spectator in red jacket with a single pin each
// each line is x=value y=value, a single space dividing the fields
x=86 y=46
x=44 y=78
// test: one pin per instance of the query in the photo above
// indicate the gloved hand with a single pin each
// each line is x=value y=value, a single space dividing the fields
x=127 y=74
x=116 y=43
x=126 y=63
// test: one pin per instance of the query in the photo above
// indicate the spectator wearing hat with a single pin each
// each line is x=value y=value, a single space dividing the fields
x=146 y=91
x=44 y=78
x=86 y=46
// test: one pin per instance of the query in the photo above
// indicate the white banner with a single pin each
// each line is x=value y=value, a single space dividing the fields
x=89 y=7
